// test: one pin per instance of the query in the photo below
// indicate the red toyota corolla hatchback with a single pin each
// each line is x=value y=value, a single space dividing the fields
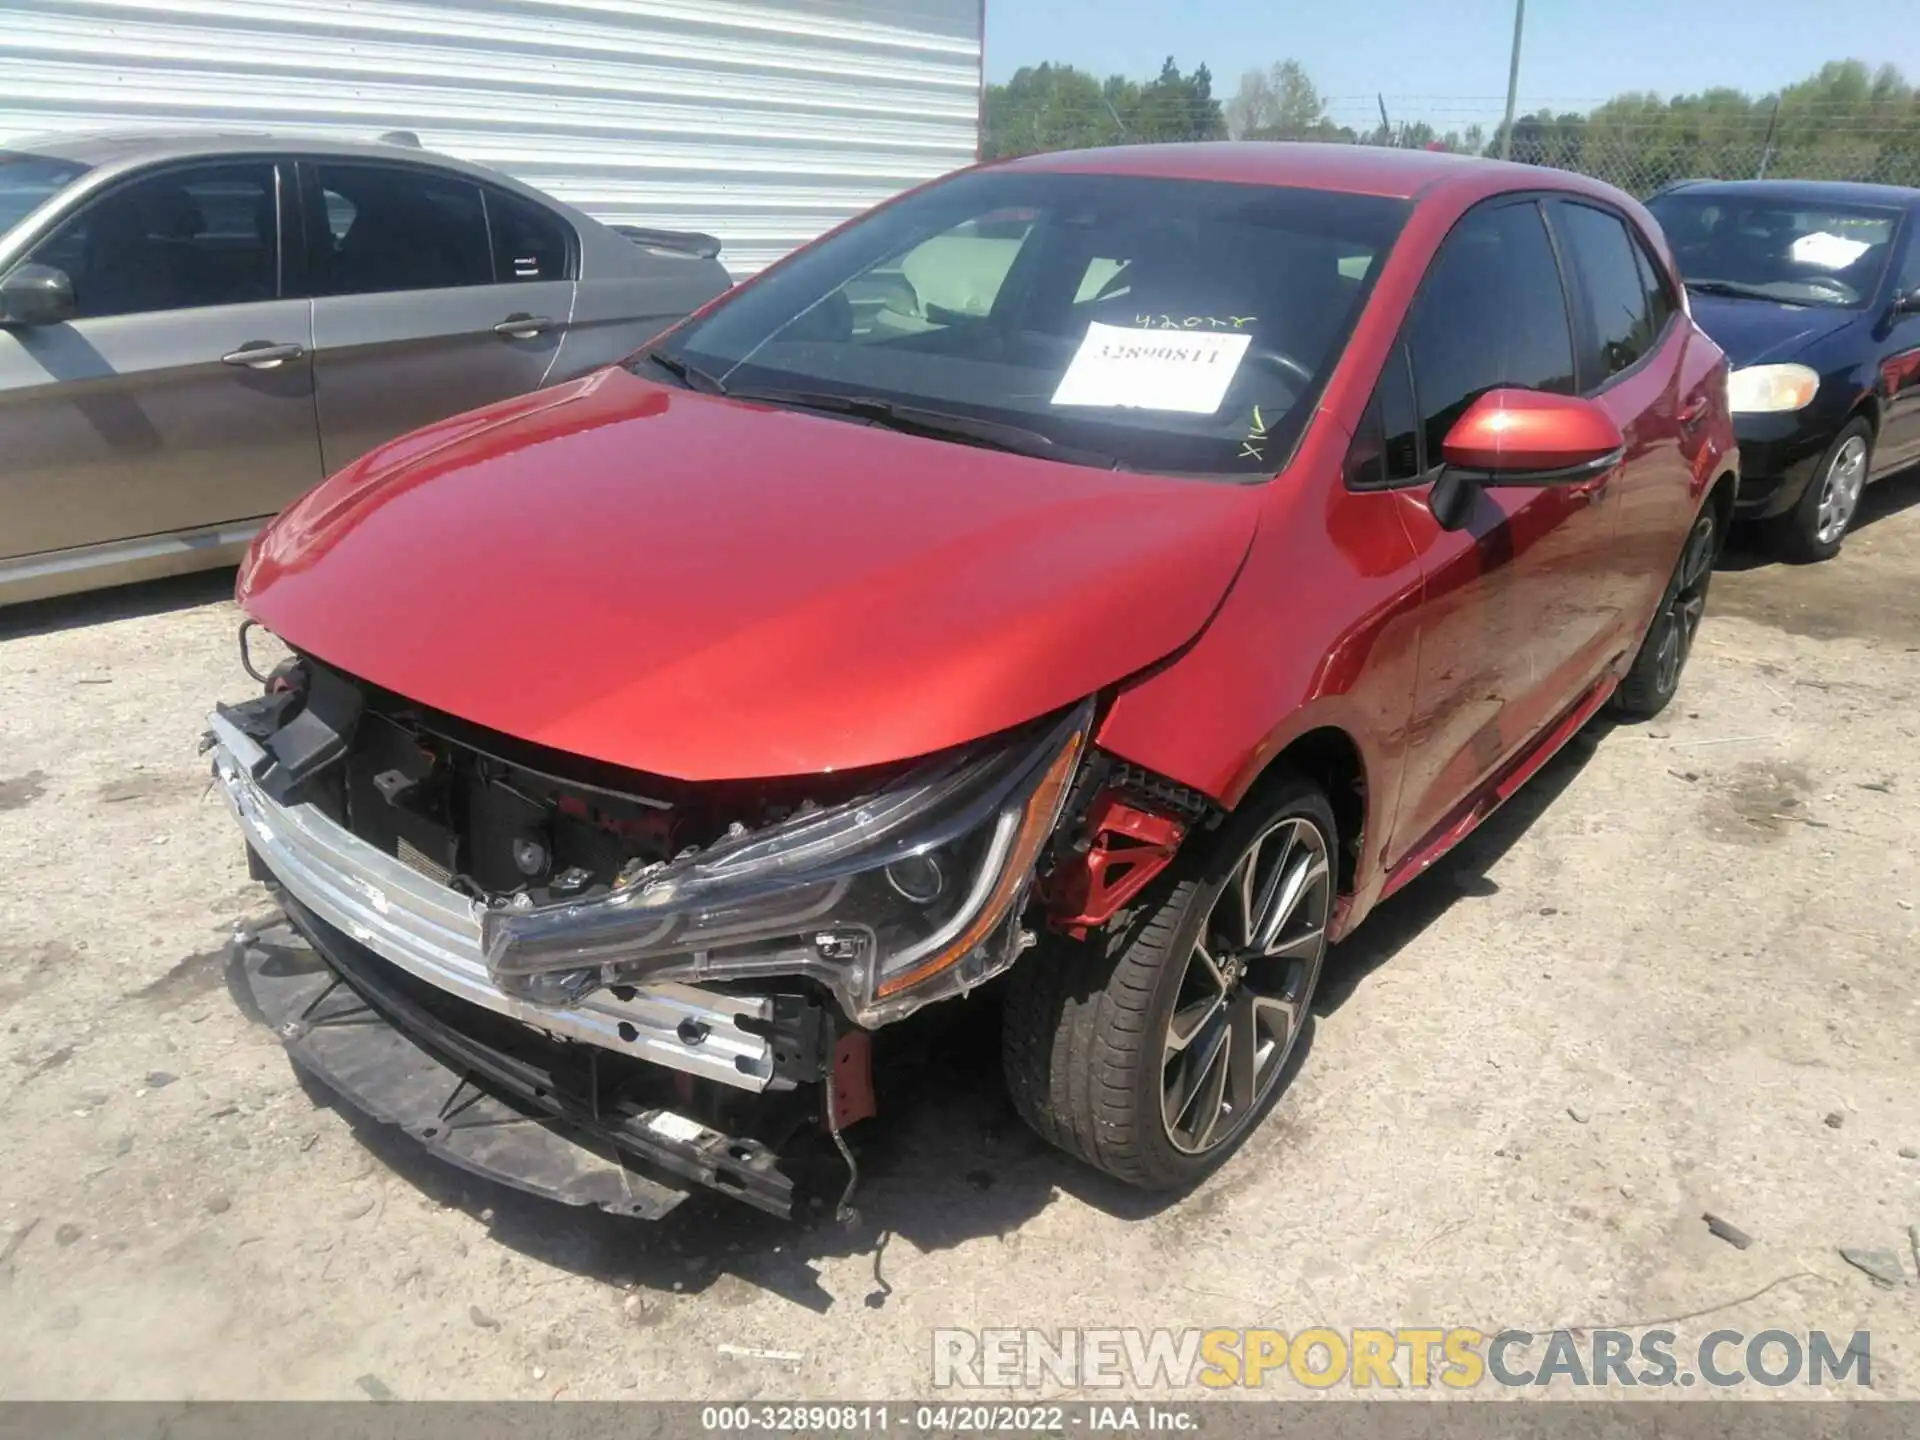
x=1124 y=569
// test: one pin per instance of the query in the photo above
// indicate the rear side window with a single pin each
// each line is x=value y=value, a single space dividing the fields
x=1608 y=277
x=181 y=239
x=1491 y=314
x=529 y=242
x=390 y=227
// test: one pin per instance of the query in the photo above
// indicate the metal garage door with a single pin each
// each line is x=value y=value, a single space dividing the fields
x=762 y=123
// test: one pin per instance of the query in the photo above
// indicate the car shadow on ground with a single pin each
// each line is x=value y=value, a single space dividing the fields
x=947 y=1161
x=118 y=602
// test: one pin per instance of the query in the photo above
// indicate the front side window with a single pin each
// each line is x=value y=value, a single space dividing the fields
x=393 y=227
x=1732 y=244
x=177 y=240
x=28 y=181
x=1609 y=280
x=1170 y=325
x=1661 y=306
x=1490 y=315
x=1908 y=281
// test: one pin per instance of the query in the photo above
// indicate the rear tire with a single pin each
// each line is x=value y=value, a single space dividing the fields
x=1153 y=1049
x=1815 y=528
x=1655 y=676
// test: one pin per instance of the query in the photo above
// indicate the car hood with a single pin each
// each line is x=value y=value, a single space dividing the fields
x=708 y=589
x=1763 y=332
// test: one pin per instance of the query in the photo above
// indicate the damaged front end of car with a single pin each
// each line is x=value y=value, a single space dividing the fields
x=604 y=986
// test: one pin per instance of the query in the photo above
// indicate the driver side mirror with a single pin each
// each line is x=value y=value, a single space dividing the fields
x=1521 y=437
x=1907 y=302
x=36 y=295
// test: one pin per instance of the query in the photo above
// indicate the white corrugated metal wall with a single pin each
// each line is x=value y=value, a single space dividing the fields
x=764 y=123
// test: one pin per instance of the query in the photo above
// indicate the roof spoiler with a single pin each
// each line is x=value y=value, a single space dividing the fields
x=681 y=242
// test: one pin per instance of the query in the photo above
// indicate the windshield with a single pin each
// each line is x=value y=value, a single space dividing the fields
x=1773 y=249
x=1170 y=325
x=29 y=181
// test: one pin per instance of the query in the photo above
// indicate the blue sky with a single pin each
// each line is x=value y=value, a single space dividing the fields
x=1446 y=60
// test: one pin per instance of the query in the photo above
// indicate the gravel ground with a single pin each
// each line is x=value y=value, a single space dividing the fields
x=1674 y=976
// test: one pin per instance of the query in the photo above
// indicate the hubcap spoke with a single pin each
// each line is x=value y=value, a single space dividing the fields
x=1243 y=1052
x=1213 y=1099
x=1306 y=871
x=1244 y=883
x=1201 y=1071
x=1300 y=947
x=1209 y=967
x=1269 y=890
x=1190 y=1021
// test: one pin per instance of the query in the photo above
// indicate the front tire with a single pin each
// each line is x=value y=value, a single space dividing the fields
x=1152 y=1050
x=1815 y=528
x=1655 y=676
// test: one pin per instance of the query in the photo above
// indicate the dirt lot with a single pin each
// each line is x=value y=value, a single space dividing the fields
x=1675 y=976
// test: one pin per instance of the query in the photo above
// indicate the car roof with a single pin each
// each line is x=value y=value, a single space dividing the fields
x=1832 y=192
x=118 y=149
x=1351 y=169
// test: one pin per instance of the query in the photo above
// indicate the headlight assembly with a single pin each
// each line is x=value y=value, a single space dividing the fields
x=1771 y=389
x=890 y=901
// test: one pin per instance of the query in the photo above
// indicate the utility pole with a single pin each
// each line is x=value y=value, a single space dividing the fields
x=1513 y=78
x=1766 y=149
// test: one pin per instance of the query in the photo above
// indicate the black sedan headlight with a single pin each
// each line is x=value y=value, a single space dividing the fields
x=890 y=901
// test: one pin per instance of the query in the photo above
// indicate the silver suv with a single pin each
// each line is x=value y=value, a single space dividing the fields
x=194 y=329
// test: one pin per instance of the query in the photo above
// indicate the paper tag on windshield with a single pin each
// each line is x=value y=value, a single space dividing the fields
x=1827 y=250
x=1186 y=371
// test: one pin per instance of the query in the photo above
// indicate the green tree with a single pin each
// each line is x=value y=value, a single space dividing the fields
x=1057 y=107
x=1048 y=107
x=1280 y=102
x=1844 y=122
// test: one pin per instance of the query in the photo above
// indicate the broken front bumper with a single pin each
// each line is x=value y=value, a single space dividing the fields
x=387 y=1044
x=376 y=986
x=433 y=933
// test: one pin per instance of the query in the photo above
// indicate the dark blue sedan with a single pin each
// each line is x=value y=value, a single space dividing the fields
x=1813 y=290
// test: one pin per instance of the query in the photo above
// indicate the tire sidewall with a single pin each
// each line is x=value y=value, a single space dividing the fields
x=1285 y=797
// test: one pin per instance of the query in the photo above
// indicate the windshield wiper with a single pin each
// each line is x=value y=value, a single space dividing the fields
x=691 y=376
x=935 y=425
x=1737 y=291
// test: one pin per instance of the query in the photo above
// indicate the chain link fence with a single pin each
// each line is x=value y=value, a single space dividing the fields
x=1642 y=159
x=1638 y=155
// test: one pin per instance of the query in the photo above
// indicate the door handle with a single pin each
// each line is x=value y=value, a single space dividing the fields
x=262 y=355
x=1693 y=412
x=522 y=327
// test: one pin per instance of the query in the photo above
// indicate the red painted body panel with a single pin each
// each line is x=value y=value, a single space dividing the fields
x=1449 y=659
x=705 y=589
